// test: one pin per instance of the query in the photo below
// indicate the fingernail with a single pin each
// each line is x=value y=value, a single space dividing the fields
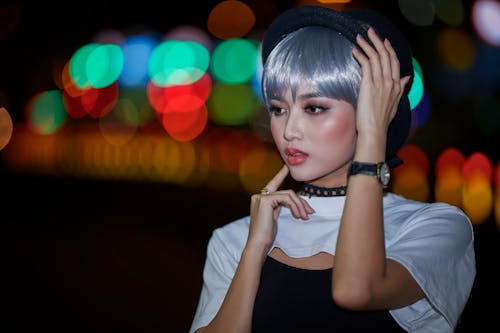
x=387 y=42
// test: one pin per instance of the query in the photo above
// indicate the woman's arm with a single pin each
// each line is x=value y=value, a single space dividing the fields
x=236 y=311
x=235 y=314
x=363 y=278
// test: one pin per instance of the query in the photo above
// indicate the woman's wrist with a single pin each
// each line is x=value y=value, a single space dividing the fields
x=255 y=250
x=370 y=148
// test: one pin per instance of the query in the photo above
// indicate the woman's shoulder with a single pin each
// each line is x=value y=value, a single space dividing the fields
x=232 y=235
x=234 y=227
x=399 y=203
x=416 y=213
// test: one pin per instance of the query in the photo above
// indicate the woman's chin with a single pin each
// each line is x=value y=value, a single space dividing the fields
x=300 y=176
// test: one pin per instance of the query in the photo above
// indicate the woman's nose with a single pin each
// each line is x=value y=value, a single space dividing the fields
x=292 y=127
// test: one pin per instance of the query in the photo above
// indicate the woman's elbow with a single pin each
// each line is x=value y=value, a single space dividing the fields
x=351 y=298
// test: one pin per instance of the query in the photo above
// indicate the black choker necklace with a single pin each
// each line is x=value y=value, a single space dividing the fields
x=317 y=191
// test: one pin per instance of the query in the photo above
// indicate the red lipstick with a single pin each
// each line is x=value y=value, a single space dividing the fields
x=295 y=156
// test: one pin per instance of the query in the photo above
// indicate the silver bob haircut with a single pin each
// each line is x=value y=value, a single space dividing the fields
x=317 y=56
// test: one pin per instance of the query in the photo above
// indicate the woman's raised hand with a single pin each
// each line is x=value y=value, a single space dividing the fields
x=381 y=86
x=265 y=208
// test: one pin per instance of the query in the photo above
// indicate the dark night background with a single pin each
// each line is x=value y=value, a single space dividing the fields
x=82 y=255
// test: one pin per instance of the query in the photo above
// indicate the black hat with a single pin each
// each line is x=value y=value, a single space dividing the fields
x=350 y=23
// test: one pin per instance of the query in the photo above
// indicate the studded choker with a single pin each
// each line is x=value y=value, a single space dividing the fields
x=317 y=191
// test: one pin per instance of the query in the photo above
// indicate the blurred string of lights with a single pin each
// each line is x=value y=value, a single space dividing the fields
x=182 y=107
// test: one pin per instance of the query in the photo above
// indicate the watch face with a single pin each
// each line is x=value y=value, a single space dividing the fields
x=385 y=174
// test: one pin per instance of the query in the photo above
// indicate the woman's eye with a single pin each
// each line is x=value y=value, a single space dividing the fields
x=275 y=110
x=314 y=109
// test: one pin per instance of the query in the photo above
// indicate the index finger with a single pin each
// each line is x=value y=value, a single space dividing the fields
x=275 y=183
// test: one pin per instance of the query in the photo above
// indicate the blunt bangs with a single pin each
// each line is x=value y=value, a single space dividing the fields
x=318 y=57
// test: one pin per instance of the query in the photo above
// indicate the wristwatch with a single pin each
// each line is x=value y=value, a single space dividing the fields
x=380 y=170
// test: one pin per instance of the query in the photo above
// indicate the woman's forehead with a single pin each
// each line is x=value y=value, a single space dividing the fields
x=301 y=89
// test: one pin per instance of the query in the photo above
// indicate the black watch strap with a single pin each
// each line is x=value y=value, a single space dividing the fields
x=379 y=170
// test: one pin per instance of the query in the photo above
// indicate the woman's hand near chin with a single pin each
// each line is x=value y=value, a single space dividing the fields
x=265 y=208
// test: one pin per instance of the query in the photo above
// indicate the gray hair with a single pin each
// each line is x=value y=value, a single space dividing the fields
x=318 y=56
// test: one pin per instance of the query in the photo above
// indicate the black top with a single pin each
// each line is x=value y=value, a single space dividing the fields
x=291 y=299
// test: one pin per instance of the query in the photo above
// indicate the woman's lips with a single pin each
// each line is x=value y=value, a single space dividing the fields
x=295 y=156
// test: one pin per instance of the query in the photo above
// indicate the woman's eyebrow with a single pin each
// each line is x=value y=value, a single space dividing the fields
x=277 y=98
x=304 y=96
x=309 y=95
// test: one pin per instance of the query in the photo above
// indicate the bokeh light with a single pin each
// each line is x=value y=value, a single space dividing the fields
x=448 y=176
x=92 y=101
x=45 y=112
x=230 y=19
x=167 y=160
x=456 y=49
x=257 y=77
x=478 y=163
x=485 y=18
x=419 y=13
x=232 y=105
x=137 y=110
x=185 y=125
x=450 y=11
x=477 y=197
x=496 y=191
x=179 y=98
x=417 y=87
x=421 y=112
x=104 y=65
x=113 y=129
x=411 y=178
x=6 y=127
x=137 y=51
x=450 y=157
x=222 y=150
x=234 y=61
x=413 y=155
x=448 y=186
x=259 y=166
x=477 y=193
x=175 y=62
x=78 y=65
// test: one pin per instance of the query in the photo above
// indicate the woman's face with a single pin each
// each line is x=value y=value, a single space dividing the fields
x=315 y=136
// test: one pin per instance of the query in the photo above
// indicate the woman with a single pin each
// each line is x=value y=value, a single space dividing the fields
x=343 y=254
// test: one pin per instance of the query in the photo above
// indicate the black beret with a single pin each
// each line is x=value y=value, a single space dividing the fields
x=350 y=23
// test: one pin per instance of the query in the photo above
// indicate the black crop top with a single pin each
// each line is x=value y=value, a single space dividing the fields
x=291 y=299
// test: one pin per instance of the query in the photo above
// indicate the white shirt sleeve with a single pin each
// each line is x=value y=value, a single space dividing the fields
x=223 y=254
x=437 y=248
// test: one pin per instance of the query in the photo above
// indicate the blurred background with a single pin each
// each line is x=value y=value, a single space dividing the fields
x=128 y=132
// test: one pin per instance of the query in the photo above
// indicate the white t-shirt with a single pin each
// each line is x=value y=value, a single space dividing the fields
x=434 y=241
